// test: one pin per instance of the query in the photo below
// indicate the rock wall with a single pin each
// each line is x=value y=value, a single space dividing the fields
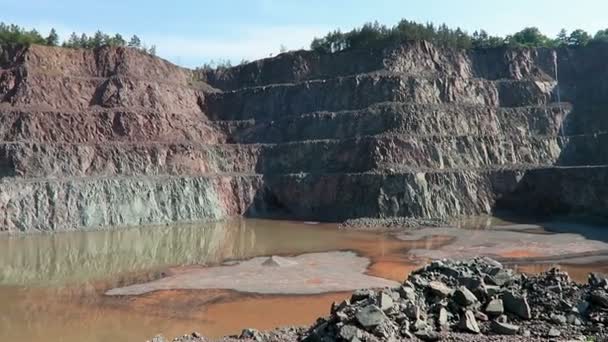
x=107 y=137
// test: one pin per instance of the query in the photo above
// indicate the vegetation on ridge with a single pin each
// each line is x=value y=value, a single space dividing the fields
x=14 y=34
x=373 y=35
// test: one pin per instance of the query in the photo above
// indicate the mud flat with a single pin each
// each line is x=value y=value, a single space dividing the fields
x=303 y=274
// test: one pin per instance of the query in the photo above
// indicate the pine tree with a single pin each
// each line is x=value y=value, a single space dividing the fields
x=53 y=38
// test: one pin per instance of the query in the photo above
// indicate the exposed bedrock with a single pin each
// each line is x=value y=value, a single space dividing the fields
x=114 y=137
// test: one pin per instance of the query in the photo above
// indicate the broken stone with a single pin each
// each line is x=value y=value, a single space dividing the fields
x=582 y=307
x=554 y=333
x=361 y=295
x=558 y=319
x=370 y=316
x=464 y=297
x=158 y=338
x=598 y=280
x=440 y=289
x=503 y=328
x=277 y=261
x=350 y=332
x=428 y=335
x=495 y=308
x=442 y=320
x=385 y=301
x=480 y=316
x=412 y=311
x=468 y=323
x=599 y=298
x=407 y=292
x=516 y=304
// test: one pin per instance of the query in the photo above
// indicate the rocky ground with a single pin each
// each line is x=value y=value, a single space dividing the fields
x=471 y=300
x=391 y=223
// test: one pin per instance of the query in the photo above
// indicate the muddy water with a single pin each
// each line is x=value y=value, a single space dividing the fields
x=52 y=285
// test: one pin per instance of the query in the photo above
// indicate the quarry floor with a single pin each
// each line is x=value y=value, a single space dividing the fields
x=218 y=278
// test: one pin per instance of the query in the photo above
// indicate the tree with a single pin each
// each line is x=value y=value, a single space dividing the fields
x=601 y=36
x=579 y=38
x=562 y=38
x=135 y=42
x=53 y=38
x=152 y=50
x=282 y=49
x=117 y=40
x=530 y=37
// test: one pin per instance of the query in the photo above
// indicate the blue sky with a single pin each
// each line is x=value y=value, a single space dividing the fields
x=192 y=32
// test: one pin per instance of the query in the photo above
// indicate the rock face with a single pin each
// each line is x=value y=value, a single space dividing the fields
x=110 y=137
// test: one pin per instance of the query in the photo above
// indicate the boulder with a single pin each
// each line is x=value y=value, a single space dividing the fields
x=495 y=308
x=428 y=335
x=599 y=298
x=468 y=323
x=464 y=297
x=370 y=316
x=350 y=333
x=407 y=293
x=385 y=301
x=516 y=304
x=440 y=289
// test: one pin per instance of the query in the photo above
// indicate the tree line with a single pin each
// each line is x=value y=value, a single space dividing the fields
x=372 y=35
x=14 y=34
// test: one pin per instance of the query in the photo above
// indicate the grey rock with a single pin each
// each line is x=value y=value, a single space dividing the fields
x=598 y=280
x=495 y=308
x=558 y=319
x=582 y=307
x=501 y=278
x=249 y=333
x=468 y=323
x=407 y=292
x=385 y=301
x=370 y=316
x=350 y=332
x=359 y=295
x=442 y=319
x=554 y=333
x=472 y=283
x=491 y=290
x=158 y=338
x=428 y=335
x=413 y=311
x=440 y=289
x=480 y=316
x=464 y=297
x=420 y=325
x=277 y=261
x=503 y=328
x=599 y=298
x=516 y=304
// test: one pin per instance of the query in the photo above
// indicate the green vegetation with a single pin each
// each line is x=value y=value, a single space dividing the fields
x=13 y=34
x=374 y=34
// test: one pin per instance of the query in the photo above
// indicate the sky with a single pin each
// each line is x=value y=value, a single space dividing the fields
x=191 y=33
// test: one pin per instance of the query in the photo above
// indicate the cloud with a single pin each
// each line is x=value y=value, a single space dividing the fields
x=250 y=44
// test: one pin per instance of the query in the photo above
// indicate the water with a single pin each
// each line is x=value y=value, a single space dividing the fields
x=52 y=285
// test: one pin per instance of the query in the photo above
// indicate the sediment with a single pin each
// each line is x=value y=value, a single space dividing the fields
x=412 y=132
